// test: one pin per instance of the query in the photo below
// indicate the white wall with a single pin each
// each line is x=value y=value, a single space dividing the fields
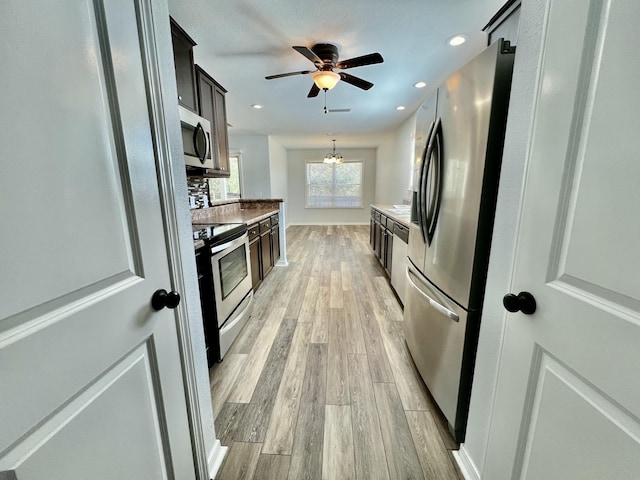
x=394 y=165
x=256 y=180
x=507 y=213
x=296 y=211
x=278 y=169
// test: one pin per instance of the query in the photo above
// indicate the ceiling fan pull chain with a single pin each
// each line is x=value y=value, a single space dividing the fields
x=325 y=101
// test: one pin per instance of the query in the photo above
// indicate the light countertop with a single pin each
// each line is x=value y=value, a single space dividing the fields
x=400 y=215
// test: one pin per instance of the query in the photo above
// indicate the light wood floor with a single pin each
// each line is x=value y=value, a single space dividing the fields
x=319 y=384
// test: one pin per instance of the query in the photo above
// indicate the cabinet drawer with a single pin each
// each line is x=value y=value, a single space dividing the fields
x=275 y=219
x=390 y=224
x=377 y=215
x=265 y=225
x=253 y=231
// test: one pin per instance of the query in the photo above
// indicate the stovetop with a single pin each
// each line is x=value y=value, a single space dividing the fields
x=213 y=233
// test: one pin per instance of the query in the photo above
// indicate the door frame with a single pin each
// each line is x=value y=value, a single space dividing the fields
x=165 y=123
x=477 y=452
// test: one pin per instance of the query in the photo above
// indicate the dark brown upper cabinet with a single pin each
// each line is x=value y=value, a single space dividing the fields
x=212 y=106
x=185 y=73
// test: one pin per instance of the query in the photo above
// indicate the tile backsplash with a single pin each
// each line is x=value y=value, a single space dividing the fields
x=198 y=189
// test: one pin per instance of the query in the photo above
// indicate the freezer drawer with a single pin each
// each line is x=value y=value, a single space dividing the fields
x=435 y=330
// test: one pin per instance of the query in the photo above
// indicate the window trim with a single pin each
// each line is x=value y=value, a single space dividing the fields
x=333 y=185
x=225 y=181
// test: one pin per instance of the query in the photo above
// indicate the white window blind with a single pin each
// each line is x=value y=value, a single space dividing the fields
x=334 y=185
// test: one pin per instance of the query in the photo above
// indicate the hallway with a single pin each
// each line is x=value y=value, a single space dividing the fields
x=320 y=384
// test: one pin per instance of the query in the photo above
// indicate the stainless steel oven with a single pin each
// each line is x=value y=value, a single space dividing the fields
x=233 y=294
x=224 y=277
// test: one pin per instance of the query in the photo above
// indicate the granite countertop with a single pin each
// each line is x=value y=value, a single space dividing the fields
x=248 y=216
x=396 y=214
x=257 y=211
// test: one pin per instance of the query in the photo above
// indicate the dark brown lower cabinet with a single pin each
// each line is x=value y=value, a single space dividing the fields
x=264 y=248
x=256 y=267
x=388 y=248
x=275 y=244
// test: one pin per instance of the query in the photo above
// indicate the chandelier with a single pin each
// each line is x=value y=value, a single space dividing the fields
x=333 y=157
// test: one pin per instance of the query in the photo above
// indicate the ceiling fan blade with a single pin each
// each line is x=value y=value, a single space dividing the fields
x=309 y=54
x=369 y=59
x=314 y=91
x=355 y=81
x=280 y=75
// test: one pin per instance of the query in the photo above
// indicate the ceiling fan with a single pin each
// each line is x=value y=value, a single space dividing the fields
x=325 y=57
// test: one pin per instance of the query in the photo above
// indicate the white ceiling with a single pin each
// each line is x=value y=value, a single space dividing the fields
x=242 y=41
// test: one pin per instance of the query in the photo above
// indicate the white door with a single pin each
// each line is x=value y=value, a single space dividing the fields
x=90 y=377
x=568 y=398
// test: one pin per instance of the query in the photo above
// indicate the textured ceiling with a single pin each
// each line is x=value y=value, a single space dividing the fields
x=242 y=41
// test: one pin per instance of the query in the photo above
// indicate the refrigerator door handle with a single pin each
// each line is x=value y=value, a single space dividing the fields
x=421 y=197
x=437 y=306
x=433 y=167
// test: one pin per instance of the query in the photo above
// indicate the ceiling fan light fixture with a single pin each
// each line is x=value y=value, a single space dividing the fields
x=325 y=79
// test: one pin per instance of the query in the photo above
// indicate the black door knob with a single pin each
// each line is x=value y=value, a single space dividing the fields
x=523 y=302
x=161 y=298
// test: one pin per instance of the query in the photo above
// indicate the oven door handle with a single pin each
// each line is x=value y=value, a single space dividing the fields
x=224 y=246
x=239 y=315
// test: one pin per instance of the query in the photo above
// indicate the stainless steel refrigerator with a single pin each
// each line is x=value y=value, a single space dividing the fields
x=458 y=152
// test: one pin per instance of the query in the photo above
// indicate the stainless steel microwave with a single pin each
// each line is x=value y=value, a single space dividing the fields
x=196 y=139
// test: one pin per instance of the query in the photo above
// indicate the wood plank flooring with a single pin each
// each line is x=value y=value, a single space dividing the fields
x=319 y=384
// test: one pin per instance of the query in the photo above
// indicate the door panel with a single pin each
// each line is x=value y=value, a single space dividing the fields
x=86 y=363
x=571 y=416
x=569 y=372
x=109 y=406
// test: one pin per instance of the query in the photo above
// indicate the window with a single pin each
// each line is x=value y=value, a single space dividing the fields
x=227 y=188
x=334 y=185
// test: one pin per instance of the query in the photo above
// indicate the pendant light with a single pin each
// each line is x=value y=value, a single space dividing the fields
x=333 y=157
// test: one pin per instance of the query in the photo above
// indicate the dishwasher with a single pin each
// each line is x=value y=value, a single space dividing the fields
x=399 y=260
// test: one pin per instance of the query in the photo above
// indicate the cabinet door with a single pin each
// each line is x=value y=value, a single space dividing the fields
x=256 y=267
x=275 y=244
x=372 y=232
x=183 y=60
x=222 y=139
x=265 y=248
x=206 y=109
x=379 y=240
x=388 y=252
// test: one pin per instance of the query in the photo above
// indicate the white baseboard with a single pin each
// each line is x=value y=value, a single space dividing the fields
x=466 y=465
x=215 y=458
x=281 y=263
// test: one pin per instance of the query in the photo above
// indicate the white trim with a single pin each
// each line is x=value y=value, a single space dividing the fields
x=167 y=186
x=465 y=464
x=215 y=458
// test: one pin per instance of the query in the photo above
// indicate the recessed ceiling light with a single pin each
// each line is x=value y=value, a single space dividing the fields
x=256 y=106
x=420 y=84
x=400 y=107
x=457 y=40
